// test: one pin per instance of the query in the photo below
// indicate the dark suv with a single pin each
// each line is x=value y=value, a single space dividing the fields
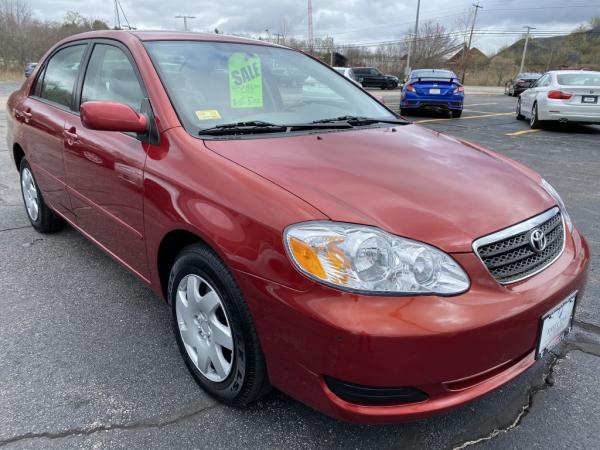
x=372 y=77
x=520 y=83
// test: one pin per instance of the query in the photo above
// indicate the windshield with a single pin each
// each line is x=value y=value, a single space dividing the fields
x=432 y=74
x=216 y=83
x=579 y=79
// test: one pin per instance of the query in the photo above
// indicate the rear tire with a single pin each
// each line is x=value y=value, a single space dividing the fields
x=237 y=376
x=534 y=122
x=456 y=114
x=42 y=218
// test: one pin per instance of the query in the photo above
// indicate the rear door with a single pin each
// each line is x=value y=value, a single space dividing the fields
x=104 y=169
x=529 y=96
x=44 y=114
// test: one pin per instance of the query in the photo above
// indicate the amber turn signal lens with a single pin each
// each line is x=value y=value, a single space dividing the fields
x=307 y=258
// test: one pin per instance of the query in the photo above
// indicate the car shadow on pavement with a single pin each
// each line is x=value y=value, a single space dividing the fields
x=575 y=128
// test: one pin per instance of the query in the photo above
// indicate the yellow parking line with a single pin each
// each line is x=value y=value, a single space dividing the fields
x=518 y=133
x=468 y=117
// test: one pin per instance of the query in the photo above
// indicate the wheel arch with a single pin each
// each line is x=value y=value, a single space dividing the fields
x=18 y=154
x=170 y=246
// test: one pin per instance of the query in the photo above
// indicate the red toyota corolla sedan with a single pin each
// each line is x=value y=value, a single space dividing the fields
x=305 y=236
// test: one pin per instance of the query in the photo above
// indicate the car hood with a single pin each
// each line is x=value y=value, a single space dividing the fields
x=407 y=180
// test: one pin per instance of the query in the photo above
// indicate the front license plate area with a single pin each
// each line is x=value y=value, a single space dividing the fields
x=555 y=324
x=434 y=91
x=589 y=99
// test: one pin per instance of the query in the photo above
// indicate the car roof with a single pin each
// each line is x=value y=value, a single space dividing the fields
x=432 y=70
x=558 y=72
x=158 y=35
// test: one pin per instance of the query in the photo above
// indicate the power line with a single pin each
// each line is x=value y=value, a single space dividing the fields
x=457 y=34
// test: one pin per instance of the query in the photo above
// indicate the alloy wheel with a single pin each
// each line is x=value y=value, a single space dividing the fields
x=30 y=194
x=533 y=119
x=204 y=327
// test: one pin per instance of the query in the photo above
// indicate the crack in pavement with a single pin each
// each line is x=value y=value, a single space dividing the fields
x=584 y=346
x=548 y=382
x=144 y=424
x=15 y=228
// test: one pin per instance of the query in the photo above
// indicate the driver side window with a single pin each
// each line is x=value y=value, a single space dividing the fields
x=110 y=76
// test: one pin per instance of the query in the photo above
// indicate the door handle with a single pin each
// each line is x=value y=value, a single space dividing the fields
x=71 y=135
x=23 y=116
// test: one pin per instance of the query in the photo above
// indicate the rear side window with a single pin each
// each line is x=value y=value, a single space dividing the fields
x=579 y=79
x=60 y=75
x=544 y=81
x=110 y=76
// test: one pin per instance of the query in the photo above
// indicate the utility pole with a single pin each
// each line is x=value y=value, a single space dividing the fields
x=410 y=43
x=311 y=37
x=525 y=47
x=467 y=50
x=117 y=16
x=185 y=18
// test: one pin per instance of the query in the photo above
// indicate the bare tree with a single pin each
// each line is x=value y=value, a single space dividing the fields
x=24 y=39
x=433 y=46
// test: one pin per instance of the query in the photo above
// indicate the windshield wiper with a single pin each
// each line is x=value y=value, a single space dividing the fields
x=250 y=127
x=359 y=120
x=258 y=126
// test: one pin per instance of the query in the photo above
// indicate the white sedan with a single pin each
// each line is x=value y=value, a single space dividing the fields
x=348 y=73
x=562 y=96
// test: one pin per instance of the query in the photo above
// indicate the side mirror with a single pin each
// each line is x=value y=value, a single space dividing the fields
x=112 y=116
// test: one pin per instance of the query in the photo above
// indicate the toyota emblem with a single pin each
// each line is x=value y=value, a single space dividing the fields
x=537 y=240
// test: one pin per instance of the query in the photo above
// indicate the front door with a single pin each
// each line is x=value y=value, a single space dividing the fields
x=105 y=170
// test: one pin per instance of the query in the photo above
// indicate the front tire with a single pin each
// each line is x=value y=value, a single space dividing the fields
x=456 y=113
x=42 y=218
x=519 y=115
x=214 y=329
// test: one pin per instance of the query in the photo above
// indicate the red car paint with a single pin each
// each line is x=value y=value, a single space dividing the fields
x=131 y=197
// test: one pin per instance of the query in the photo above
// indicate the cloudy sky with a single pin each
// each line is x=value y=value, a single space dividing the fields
x=347 y=21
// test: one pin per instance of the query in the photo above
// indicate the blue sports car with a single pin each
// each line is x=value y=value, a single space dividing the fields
x=432 y=88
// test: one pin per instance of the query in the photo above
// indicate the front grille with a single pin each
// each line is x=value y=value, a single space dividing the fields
x=509 y=255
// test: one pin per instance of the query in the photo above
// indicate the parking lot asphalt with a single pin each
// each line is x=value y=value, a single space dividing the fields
x=88 y=360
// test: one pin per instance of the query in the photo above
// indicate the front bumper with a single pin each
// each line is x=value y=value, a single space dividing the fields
x=454 y=349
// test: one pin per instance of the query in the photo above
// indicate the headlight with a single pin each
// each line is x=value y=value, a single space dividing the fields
x=369 y=260
x=563 y=209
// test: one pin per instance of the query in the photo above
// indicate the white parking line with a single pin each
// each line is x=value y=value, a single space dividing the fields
x=481 y=104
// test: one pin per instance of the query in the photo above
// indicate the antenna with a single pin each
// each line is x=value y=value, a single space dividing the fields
x=311 y=39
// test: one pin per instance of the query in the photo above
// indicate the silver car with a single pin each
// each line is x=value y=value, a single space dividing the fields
x=348 y=73
x=562 y=96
